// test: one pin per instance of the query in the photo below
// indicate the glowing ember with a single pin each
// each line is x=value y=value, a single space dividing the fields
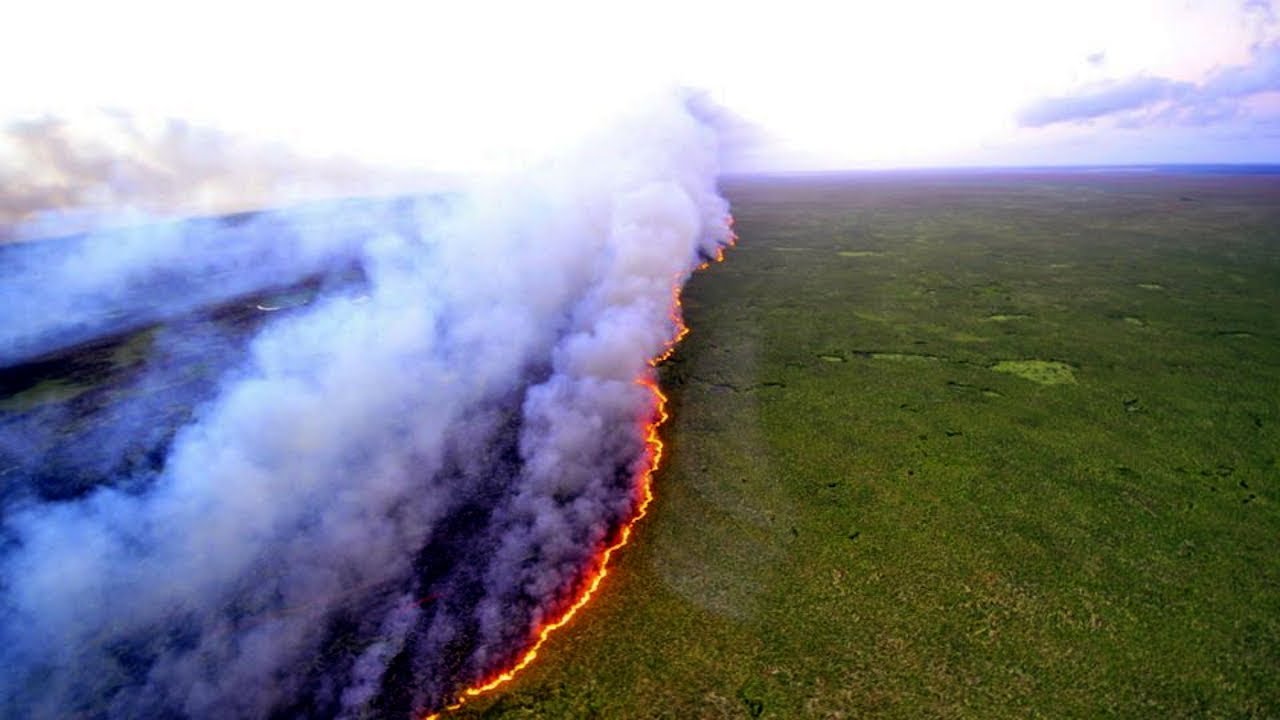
x=649 y=462
x=652 y=456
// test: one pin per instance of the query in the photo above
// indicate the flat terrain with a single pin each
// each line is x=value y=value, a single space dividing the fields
x=958 y=446
x=964 y=445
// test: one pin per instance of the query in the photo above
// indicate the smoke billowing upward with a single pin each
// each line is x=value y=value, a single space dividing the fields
x=389 y=491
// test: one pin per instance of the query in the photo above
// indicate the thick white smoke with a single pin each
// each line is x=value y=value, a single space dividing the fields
x=65 y=291
x=109 y=185
x=379 y=506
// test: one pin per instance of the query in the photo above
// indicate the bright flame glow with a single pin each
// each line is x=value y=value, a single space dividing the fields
x=652 y=457
x=650 y=460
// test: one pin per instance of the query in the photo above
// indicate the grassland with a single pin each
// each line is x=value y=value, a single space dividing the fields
x=958 y=446
x=941 y=446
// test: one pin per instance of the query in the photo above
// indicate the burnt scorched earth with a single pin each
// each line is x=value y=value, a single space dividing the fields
x=98 y=405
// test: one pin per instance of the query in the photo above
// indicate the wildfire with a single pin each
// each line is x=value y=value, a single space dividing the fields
x=733 y=240
x=649 y=462
x=652 y=457
x=680 y=330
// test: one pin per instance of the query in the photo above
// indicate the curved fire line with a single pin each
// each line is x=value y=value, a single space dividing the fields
x=651 y=458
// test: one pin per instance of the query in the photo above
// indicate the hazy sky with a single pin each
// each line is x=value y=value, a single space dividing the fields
x=461 y=85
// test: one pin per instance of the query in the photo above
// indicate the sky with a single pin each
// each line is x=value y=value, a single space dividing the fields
x=481 y=86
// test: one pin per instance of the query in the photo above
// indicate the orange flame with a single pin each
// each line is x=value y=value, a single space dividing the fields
x=650 y=460
x=733 y=240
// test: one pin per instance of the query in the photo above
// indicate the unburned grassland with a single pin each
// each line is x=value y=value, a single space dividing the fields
x=958 y=446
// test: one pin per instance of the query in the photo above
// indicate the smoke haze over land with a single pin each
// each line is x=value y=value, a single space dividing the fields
x=390 y=489
x=110 y=167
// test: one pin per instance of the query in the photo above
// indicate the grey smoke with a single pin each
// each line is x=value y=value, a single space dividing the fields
x=61 y=292
x=64 y=174
x=410 y=481
x=113 y=183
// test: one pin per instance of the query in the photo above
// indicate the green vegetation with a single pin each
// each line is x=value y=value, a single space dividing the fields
x=862 y=514
x=1045 y=372
x=46 y=391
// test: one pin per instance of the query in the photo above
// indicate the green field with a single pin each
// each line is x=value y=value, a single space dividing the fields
x=958 y=446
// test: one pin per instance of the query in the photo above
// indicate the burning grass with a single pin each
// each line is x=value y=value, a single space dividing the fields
x=835 y=535
x=857 y=517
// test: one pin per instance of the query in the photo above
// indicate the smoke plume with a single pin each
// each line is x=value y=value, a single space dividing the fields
x=390 y=490
x=74 y=173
